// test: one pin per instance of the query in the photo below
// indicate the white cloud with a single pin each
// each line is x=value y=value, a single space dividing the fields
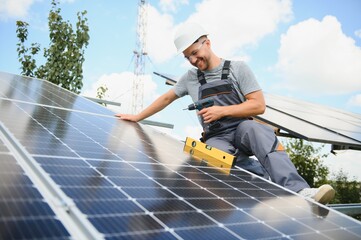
x=12 y=9
x=120 y=89
x=19 y=9
x=348 y=161
x=236 y=24
x=231 y=28
x=355 y=100
x=172 y=5
x=316 y=56
x=358 y=33
x=160 y=36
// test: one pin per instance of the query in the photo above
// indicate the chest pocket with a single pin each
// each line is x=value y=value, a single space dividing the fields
x=210 y=91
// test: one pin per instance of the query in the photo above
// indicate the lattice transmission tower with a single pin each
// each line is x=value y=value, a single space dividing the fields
x=140 y=55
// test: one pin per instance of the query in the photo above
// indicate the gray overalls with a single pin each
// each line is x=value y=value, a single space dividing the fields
x=244 y=137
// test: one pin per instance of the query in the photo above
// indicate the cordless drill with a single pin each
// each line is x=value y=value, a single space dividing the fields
x=204 y=103
x=199 y=105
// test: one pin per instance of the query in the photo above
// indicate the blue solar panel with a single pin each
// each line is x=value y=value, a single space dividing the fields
x=44 y=93
x=313 y=121
x=23 y=212
x=133 y=182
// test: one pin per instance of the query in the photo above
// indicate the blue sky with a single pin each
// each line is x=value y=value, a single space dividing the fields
x=305 y=49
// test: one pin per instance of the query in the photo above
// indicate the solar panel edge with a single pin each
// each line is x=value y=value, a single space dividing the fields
x=356 y=144
x=343 y=140
x=55 y=107
x=71 y=94
x=314 y=104
x=64 y=208
x=38 y=79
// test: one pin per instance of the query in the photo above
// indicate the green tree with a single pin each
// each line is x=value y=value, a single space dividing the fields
x=101 y=91
x=28 y=64
x=308 y=161
x=347 y=191
x=65 y=55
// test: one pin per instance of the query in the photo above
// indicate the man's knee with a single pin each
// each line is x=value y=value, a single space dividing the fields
x=245 y=131
x=245 y=125
x=254 y=136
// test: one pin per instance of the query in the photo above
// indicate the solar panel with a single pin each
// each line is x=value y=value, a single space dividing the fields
x=44 y=93
x=318 y=123
x=308 y=121
x=125 y=180
x=23 y=211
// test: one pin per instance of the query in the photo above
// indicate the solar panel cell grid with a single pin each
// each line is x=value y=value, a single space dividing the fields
x=132 y=182
x=330 y=123
x=23 y=212
x=43 y=92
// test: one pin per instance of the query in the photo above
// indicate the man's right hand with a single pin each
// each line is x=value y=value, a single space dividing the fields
x=160 y=103
x=128 y=117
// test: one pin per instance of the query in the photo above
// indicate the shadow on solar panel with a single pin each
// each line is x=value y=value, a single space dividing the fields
x=75 y=171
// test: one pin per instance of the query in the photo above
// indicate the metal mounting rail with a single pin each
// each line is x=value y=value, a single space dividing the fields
x=103 y=101
x=350 y=209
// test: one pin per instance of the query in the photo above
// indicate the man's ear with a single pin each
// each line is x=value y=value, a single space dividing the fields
x=208 y=42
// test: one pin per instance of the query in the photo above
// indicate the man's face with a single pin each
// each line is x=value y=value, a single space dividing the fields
x=196 y=54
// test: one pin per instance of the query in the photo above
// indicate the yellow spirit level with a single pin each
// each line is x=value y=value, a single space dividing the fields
x=209 y=155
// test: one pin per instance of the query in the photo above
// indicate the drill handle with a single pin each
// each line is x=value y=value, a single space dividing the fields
x=207 y=102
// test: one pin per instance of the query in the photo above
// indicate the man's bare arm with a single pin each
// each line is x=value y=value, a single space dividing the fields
x=158 y=105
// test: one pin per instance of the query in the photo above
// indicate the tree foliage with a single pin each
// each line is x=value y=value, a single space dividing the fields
x=309 y=164
x=308 y=161
x=28 y=63
x=101 y=93
x=347 y=190
x=65 y=54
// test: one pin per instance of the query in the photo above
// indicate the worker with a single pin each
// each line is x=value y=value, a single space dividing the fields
x=237 y=97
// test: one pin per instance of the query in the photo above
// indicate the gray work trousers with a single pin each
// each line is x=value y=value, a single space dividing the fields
x=252 y=138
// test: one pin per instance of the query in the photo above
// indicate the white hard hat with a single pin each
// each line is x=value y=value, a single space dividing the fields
x=187 y=34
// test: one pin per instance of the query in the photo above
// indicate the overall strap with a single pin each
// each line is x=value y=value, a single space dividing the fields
x=201 y=78
x=225 y=70
x=225 y=73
